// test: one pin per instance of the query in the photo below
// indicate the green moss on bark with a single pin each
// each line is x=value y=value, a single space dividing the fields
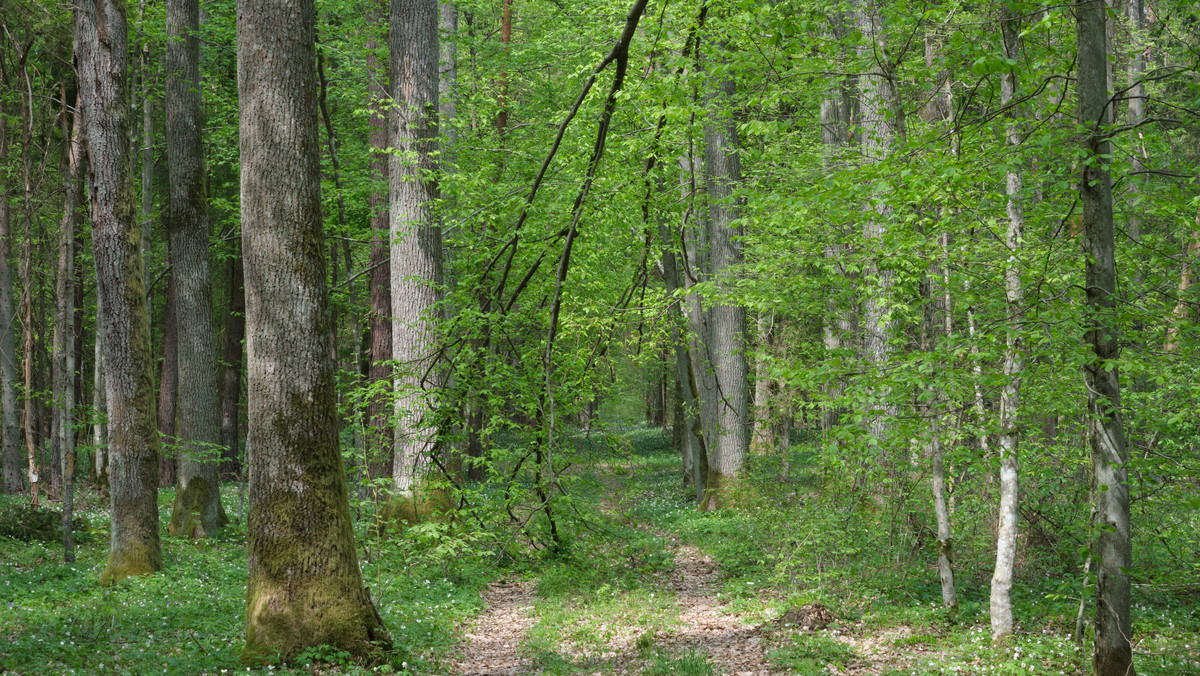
x=131 y=560
x=188 y=517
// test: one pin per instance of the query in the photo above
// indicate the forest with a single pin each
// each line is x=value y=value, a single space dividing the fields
x=496 y=337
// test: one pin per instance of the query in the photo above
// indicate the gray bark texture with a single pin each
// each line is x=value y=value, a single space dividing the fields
x=231 y=366
x=416 y=240
x=1001 y=611
x=304 y=585
x=133 y=443
x=882 y=124
x=10 y=429
x=168 y=390
x=197 y=511
x=1113 y=653
x=727 y=322
x=64 y=321
x=694 y=239
x=380 y=437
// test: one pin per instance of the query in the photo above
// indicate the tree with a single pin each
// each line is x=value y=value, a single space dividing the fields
x=197 y=511
x=304 y=586
x=10 y=430
x=1014 y=353
x=1113 y=653
x=133 y=436
x=416 y=245
x=727 y=319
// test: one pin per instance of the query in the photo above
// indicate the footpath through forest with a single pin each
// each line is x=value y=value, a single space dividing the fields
x=681 y=614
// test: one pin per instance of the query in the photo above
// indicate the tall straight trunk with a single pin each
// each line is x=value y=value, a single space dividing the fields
x=416 y=249
x=700 y=373
x=380 y=437
x=447 y=78
x=27 y=280
x=168 y=390
x=147 y=149
x=64 y=324
x=505 y=39
x=197 y=511
x=727 y=322
x=231 y=364
x=133 y=436
x=1181 y=311
x=882 y=121
x=304 y=586
x=10 y=430
x=1014 y=363
x=1113 y=652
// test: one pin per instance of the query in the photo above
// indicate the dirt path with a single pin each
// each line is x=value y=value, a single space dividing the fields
x=493 y=644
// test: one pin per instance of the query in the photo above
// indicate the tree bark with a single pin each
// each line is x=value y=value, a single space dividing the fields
x=727 y=322
x=304 y=586
x=694 y=242
x=64 y=325
x=1113 y=653
x=1007 y=442
x=31 y=417
x=416 y=240
x=10 y=429
x=197 y=511
x=168 y=390
x=133 y=436
x=380 y=438
x=763 y=436
x=231 y=365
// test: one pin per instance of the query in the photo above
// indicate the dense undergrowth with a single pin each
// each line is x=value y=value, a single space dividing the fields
x=809 y=537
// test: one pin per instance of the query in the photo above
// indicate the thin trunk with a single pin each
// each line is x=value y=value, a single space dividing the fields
x=416 y=249
x=168 y=389
x=1113 y=654
x=762 y=437
x=197 y=511
x=689 y=405
x=100 y=457
x=505 y=39
x=1182 y=309
x=304 y=586
x=694 y=243
x=147 y=147
x=133 y=437
x=231 y=365
x=64 y=332
x=447 y=79
x=27 y=280
x=380 y=437
x=10 y=428
x=1014 y=363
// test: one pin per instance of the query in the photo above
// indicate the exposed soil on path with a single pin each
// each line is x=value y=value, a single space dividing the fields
x=493 y=644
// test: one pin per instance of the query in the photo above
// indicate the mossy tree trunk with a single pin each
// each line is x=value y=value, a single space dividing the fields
x=197 y=511
x=133 y=443
x=304 y=587
x=10 y=429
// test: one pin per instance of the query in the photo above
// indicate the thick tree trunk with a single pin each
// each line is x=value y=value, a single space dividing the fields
x=1014 y=363
x=197 y=511
x=416 y=248
x=231 y=366
x=380 y=437
x=168 y=390
x=64 y=325
x=10 y=429
x=304 y=587
x=1113 y=653
x=727 y=322
x=447 y=79
x=133 y=437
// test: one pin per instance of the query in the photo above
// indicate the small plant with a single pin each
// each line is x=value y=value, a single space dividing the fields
x=688 y=664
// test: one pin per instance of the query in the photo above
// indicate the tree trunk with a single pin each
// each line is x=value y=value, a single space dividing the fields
x=699 y=373
x=168 y=390
x=197 y=511
x=1014 y=364
x=380 y=437
x=10 y=429
x=727 y=322
x=762 y=438
x=695 y=465
x=64 y=333
x=416 y=249
x=100 y=457
x=27 y=281
x=231 y=365
x=133 y=437
x=304 y=587
x=1113 y=652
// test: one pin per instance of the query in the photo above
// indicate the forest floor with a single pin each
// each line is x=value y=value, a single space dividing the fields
x=641 y=584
